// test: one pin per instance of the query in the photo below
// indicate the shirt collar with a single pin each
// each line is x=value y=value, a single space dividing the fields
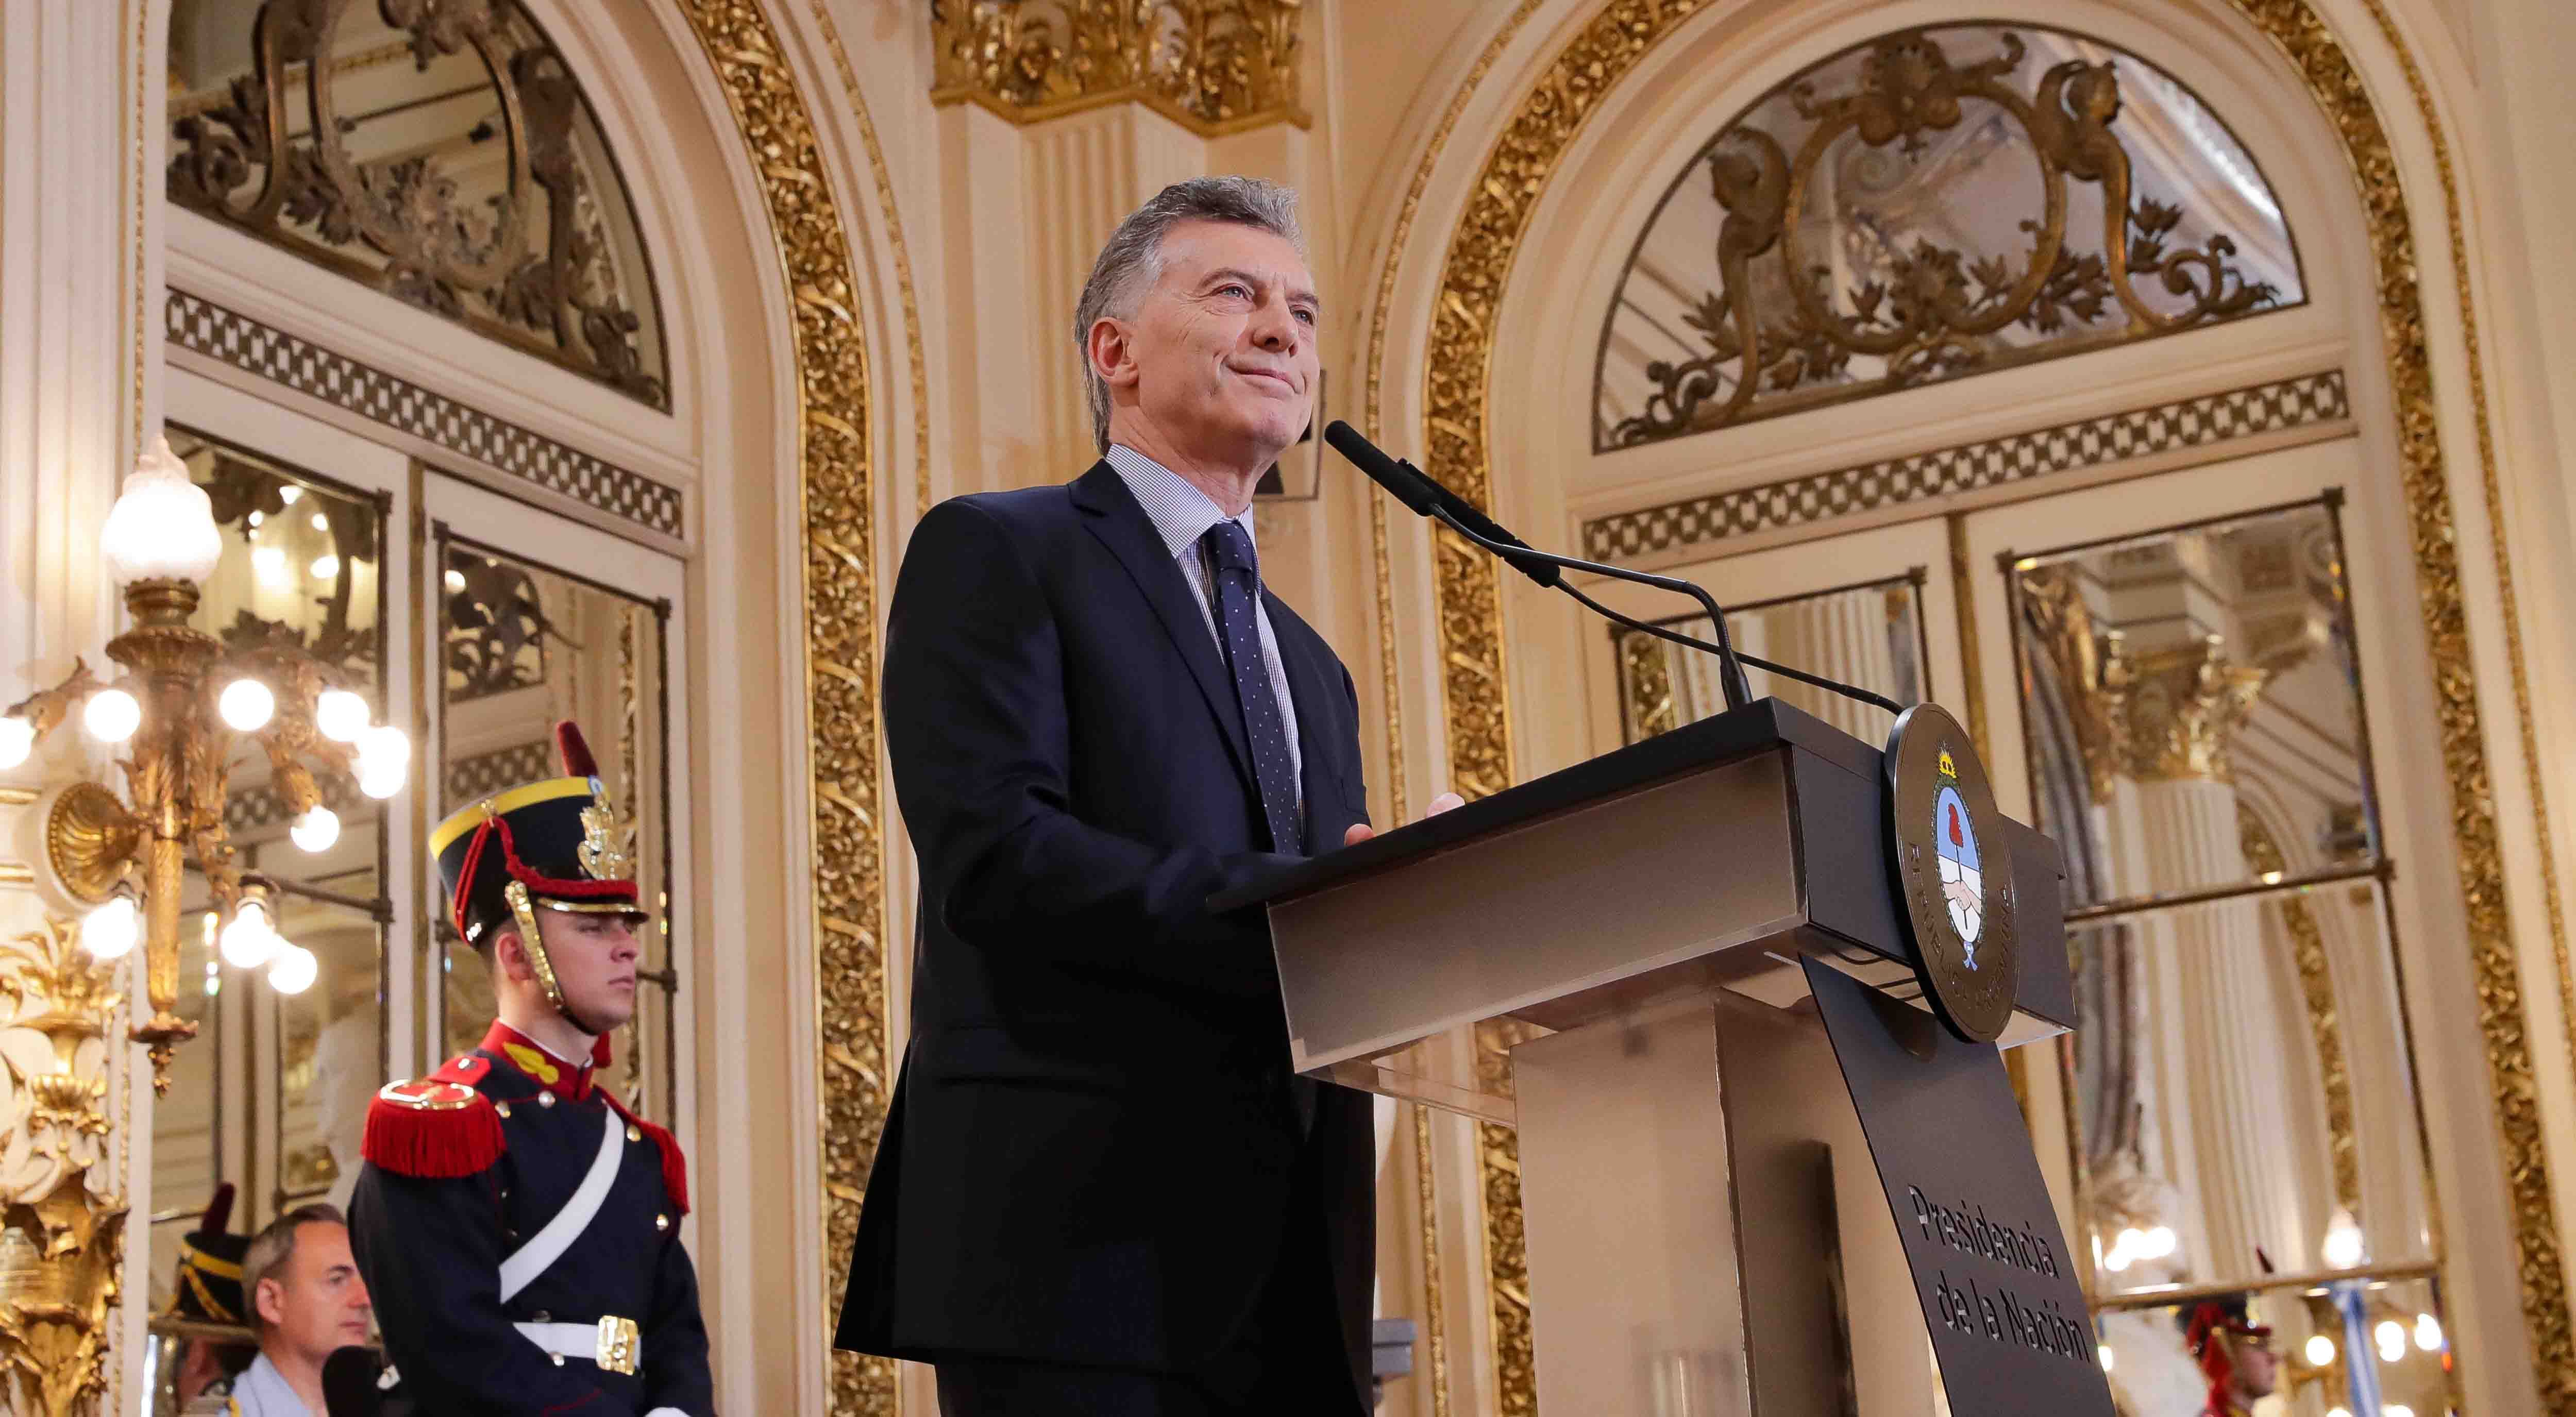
x=1181 y=513
x=267 y=1389
x=568 y=1080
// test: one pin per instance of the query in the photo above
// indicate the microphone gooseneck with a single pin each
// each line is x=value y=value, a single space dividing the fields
x=1426 y=497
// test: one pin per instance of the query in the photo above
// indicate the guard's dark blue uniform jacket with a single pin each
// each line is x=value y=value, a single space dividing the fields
x=465 y=1166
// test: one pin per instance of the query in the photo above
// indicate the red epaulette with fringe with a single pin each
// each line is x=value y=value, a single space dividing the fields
x=437 y=1127
x=675 y=1167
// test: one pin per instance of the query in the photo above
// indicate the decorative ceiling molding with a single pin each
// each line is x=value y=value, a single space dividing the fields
x=201 y=326
x=2205 y=422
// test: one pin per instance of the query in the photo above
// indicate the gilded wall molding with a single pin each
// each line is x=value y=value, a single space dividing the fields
x=1213 y=66
x=1458 y=366
x=912 y=345
x=2320 y=59
x=838 y=488
x=61 y=1234
x=2307 y=938
x=1390 y=685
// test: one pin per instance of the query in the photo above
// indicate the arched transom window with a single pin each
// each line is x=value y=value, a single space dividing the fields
x=1935 y=203
x=441 y=153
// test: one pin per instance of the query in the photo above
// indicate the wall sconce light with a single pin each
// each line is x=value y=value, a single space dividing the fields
x=175 y=717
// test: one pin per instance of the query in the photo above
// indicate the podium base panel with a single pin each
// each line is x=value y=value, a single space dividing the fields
x=1706 y=1236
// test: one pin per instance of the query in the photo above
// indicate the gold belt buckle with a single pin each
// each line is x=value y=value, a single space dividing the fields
x=620 y=1345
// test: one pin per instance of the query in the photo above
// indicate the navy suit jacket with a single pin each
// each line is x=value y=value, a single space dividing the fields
x=1096 y=1151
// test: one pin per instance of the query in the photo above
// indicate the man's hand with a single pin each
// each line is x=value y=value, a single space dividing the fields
x=1362 y=831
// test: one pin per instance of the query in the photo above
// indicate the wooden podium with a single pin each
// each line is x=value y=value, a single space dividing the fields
x=1706 y=1233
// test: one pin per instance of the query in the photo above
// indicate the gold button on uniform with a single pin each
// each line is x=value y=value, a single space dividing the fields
x=502 y=1107
x=545 y=1099
x=634 y=1133
x=662 y=1222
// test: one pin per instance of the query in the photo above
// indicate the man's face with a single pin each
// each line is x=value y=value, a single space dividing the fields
x=1220 y=355
x=594 y=959
x=2258 y=1368
x=315 y=1302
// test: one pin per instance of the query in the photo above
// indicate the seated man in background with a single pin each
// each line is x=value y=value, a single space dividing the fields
x=306 y=1301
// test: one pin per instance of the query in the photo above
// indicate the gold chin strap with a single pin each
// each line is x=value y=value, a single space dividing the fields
x=534 y=942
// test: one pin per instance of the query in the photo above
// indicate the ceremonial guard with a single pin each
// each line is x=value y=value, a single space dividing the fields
x=517 y=1225
x=2234 y=1353
x=203 y=1340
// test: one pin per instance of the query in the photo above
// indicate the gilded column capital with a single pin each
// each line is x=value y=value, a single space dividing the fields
x=1212 y=66
x=2183 y=705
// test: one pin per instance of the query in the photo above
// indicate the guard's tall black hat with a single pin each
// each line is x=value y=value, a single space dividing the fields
x=556 y=839
x=208 y=1286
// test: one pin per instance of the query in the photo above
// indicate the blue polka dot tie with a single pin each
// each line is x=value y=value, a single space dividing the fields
x=1237 y=588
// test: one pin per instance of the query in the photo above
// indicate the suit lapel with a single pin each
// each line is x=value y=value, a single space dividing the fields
x=1114 y=516
x=1308 y=687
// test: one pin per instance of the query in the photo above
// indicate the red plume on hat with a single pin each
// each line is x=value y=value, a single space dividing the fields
x=577 y=761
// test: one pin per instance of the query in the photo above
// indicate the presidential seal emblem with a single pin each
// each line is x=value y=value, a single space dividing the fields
x=1952 y=877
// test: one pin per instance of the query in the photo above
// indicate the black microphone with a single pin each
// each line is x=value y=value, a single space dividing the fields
x=1415 y=488
x=349 y=1382
x=1418 y=490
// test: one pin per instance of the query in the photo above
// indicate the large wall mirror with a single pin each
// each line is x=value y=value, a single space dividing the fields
x=2245 y=1123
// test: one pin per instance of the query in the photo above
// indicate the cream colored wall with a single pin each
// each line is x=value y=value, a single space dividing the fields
x=994 y=238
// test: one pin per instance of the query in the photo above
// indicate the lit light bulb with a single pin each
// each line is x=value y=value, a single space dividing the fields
x=268 y=563
x=2428 y=1333
x=321 y=522
x=317 y=829
x=256 y=518
x=384 y=760
x=112 y=715
x=2338 y=1412
x=17 y=740
x=340 y=715
x=294 y=969
x=289 y=493
x=325 y=567
x=2159 y=1242
x=2342 y=1248
x=112 y=929
x=454 y=580
x=250 y=940
x=2320 y=1350
x=163 y=525
x=246 y=705
x=2391 y=1337
x=2397 y=1409
x=2118 y=1260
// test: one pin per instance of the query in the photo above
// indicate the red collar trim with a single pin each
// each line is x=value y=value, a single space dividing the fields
x=535 y=1061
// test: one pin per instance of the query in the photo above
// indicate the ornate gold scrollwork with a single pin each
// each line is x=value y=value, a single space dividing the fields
x=61 y=1241
x=1933 y=311
x=839 y=493
x=1213 y=66
x=544 y=279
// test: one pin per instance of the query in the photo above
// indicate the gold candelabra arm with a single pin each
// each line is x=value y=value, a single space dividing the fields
x=45 y=709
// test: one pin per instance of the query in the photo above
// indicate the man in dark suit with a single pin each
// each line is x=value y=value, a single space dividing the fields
x=1101 y=1190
